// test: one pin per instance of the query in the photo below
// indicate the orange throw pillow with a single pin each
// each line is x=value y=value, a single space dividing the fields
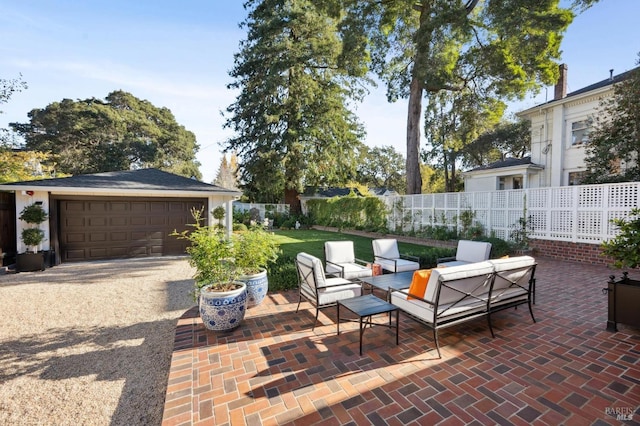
x=419 y=283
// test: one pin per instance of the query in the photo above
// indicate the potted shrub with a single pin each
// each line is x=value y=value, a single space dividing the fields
x=32 y=237
x=624 y=249
x=222 y=299
x=253 y=250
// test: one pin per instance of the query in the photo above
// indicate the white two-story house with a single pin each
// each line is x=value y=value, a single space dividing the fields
x=559 y=132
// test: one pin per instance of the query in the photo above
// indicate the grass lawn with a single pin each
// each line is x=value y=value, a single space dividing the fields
x=312 y=241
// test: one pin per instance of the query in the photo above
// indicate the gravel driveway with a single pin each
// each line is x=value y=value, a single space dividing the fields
x=90 y=343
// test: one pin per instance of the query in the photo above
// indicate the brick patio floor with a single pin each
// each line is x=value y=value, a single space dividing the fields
x=564 y=369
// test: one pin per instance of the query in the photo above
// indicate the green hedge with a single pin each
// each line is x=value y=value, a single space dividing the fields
x=364 y=213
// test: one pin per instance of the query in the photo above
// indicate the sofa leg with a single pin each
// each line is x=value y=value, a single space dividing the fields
x=490 y=326
x=435 y=339
x=316 y=320
x=531 y=312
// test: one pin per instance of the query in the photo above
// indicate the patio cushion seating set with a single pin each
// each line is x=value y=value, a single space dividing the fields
x=459 y=289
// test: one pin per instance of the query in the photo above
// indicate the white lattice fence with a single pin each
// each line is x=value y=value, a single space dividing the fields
x=572 y=213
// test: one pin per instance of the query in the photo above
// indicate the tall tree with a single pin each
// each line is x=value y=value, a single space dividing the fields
x=613 y=151
x=227 y=173
x=382 y=167
x=291 y=121
x=120 y=133
x=494 y=48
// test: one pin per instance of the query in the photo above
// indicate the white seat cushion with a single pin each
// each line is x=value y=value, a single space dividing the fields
x=335 y=292
x=351 y=270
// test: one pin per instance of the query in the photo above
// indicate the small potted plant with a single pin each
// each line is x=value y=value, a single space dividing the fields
x=32 y=237
x=222 y=299
x=253 y=250
x=624 y=250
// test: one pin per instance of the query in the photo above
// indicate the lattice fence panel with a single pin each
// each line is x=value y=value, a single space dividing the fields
x=561 y=224
x=589 y=225
x=538 y=220
x=439 y=201
x=466 y=201
x=499 y=219
x=452 y=200
x=590 y=196
x=482 y=200
x=516 y=199
x=624 y=195
x=499 y=200
x=537 y=198
x=427 y=201
x=561 y=197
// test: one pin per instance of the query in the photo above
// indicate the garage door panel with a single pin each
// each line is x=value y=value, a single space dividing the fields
x=98 y=221
x=157 y=221
x=118 y=221
x=74 y=238
x=76 y=254
x=138 y=220
x=98 y=207
x=139 y=207
x=97 y=237
x=122 y=207
x=119 y=236
x=94 y=229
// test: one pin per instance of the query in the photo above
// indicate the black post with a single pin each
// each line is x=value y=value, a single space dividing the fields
x=611 y=290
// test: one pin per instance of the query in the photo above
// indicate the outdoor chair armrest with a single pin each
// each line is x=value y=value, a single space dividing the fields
x=341 y=284
x=406 y=291
x=362 y=262
x=445 y=259
x=337 y=265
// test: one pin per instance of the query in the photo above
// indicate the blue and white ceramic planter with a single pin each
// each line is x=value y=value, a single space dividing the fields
x=223 y=310
x=257 y=287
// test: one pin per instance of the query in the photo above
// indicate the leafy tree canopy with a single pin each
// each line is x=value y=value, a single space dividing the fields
x=121 y=132
x=614 y=145
x=291 y=122
x=382 y=167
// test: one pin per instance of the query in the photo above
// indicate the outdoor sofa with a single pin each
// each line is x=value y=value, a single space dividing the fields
x=457 y=294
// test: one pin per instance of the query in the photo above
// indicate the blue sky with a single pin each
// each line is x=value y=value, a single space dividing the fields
x=177 y=55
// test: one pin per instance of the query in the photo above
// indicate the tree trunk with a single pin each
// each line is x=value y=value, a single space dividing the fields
x=414 y=180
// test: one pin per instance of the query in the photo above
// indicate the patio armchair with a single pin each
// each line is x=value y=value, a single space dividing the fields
x=387 y=255
x=341 y=261
x=320 y=291
x=467 y=252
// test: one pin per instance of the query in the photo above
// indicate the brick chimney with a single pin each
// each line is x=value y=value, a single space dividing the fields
x=561 y=85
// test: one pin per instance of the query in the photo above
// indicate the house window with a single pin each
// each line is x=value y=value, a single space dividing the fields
x=575 y=178
x=501 y=184
x=517 y=183
x=580 y=132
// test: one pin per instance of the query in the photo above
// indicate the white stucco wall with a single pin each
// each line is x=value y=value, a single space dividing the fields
x=22 y=200
x=480 y=183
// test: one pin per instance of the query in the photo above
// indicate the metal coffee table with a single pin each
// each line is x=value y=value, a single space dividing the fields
x=387 y=282
x=366 y=306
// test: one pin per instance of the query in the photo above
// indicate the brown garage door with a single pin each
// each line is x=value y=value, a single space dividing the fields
x=110 y=228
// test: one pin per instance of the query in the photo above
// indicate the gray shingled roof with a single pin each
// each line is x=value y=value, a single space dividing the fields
x=606 y=82
x=143 y=179
x=509 y=162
